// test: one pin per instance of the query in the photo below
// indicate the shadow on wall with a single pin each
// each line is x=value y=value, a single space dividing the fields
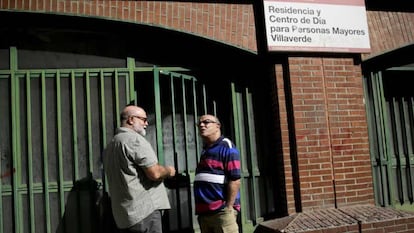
x=87 y=210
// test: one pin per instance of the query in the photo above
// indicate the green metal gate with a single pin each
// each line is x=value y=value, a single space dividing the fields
x=390 y=108
x=56 y=122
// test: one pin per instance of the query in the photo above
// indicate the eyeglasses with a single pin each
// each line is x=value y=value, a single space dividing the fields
x=144 y=119
x=206 y=122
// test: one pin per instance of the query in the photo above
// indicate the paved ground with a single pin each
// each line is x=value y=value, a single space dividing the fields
x=332 y=218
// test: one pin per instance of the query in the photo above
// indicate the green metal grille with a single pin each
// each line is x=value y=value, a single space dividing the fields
x=60 y=120
x=390 y=108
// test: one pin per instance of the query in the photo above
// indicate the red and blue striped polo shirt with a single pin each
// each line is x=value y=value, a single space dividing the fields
x=218 y=164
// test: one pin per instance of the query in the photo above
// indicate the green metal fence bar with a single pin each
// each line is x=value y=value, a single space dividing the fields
x=103 y=109
x=197 y=140
x=186 y=150
x=204 y=99
x=89 y=120
x=59 y=144
x=30 y=154
x=116 y=84
x=173 y=121
x=378 y=140
x=371 y=133
x=131 y=92
x=240 y=136
x=408 y=149
x=238 y=142
x=18 y=158
x=387 y=139
x=15 y=136
x=185 y=123
x=74 y=127
x=1 y=186
x=103 y=119
x=386 y=131
x=45 y=153
x=158 y=116
x=255 y=197
x=174 y=139
x=398 y=155
x=385 y=155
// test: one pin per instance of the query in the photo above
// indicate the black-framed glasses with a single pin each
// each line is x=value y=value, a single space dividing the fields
x=144 y=119
x=206 y=122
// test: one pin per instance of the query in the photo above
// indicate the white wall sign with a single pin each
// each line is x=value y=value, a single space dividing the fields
x=316 y=25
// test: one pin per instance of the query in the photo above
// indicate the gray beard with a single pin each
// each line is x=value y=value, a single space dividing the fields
x=143 y=132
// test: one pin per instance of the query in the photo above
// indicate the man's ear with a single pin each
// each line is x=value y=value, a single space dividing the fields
x=129 y=121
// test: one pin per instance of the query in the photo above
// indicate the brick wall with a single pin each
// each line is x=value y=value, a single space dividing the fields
x=331 y=133
x=389 y=30
x=229 y=23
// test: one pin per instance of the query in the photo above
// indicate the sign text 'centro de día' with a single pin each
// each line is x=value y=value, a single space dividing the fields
x=316 y=25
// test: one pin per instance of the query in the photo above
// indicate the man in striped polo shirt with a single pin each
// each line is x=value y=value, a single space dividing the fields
x=217 y=180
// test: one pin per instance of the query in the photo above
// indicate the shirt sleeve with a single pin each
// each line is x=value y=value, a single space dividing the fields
x=233 y=164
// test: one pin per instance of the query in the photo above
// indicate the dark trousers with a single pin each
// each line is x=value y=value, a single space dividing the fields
x=150 y=224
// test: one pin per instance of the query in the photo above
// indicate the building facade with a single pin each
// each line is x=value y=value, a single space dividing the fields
x=315 y=130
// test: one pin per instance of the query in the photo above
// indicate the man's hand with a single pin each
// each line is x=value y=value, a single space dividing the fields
x=171 y=171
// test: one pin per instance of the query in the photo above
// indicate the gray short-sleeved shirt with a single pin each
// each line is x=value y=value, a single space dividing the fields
x=133 y=195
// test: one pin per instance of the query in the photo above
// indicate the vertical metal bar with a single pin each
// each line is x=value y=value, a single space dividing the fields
x=103 y=124
x=185 y=123
x=132 y=94
x=15 y=138
x=410 y=174
x=89 y=121
x=380 y=136
x=174 y=137
x=74 y=128
x=75 y=132
x=158 y=120
x=407 y=146
x=117 y=111
x=373 y=137
x=204 y=99
x=45 y=153
x=173 y=121
x=9 y=79
x=253 y=156
x=59 y=145
x=398 y=149
x=186 y=153
x=30 y=154
x=215 y=107
x=238 y=142
x=386 y=137
x=238 y=125
x=195 y=106
x=103 y=110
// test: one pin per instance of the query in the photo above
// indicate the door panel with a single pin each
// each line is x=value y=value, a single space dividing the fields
x=174 y=102
x=390 y=108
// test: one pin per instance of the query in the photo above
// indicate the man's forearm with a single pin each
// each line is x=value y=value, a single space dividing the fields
x=232 y=189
